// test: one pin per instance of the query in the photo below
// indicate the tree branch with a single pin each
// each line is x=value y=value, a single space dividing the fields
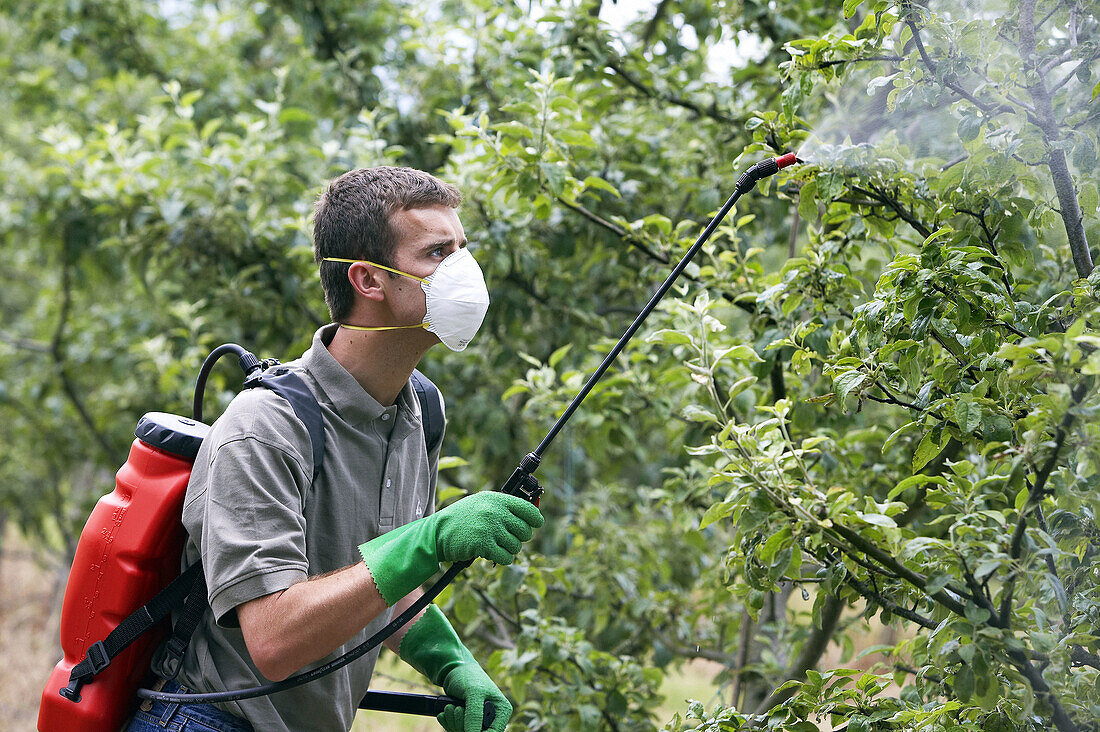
x=810 y=654
x=1069 y=207
x=712 y=112
x=907 y=216
x=914 y=578
x=57 y=351
x=887 y=604
x=1072 y=72
x=651 y=26
x=837 y=62
x=1034 y=498
x=614 y=229
x=954 y=86
x=25 y=344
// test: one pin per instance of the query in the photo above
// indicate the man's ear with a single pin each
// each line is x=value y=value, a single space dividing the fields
x=366 y=280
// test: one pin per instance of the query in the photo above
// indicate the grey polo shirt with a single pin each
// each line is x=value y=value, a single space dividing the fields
x=258 y=526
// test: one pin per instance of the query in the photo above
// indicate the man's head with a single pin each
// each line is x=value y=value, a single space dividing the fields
x=353 y=219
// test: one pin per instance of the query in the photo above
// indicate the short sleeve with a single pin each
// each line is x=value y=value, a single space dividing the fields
x=245 y=513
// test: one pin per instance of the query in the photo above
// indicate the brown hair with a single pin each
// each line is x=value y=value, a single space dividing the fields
x=351 y=220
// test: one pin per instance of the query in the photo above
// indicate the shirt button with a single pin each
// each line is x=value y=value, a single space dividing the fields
x=386 y=417
x=387 y=482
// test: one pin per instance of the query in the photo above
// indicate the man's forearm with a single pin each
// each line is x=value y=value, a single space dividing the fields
x=287 y=630
x=394 y=641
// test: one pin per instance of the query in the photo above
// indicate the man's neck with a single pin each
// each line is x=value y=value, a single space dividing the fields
x=381 y=361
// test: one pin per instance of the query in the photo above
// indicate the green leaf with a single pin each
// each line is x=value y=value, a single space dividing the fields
x=850 y=7
x=1089 y=197
x=446 y=495
x=807 y=203
x=514 y=389
x=576 y=137
x=877 y=519
x=964 y=683
x=773 y=544
x=1059 y=592
x=660 y=221
x=738 y=353
x=849 y=381
x=289 y=115
x=968 y=415
x=668 y=335
x=915 y=480
x=937 y=583
x=593 y=181
x=740 y=385
x=976 y=615
x=555 y=177
x=891 y=348
x=792 y=301
x=451 y=461
x=466 y=607
x=512 y=128
x=937 y=234
x=559 y=354
x=894 y=435
x=986 y=567
x=716 y=512
x=695 y=413
x=926 y=450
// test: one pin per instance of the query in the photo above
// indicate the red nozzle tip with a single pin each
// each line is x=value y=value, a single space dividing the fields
x=784 y=161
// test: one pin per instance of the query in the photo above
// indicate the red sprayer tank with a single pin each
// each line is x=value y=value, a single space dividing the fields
x=128 y=551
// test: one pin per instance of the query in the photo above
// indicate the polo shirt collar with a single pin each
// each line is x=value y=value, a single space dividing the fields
x=341 y=389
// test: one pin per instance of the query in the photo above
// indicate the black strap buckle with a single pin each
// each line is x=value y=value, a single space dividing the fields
x=98 y=657
x=170 y=657
x=95 y=660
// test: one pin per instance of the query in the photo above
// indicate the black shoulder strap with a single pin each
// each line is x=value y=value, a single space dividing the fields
x=290 y=386
x=431 y=409
x=190 y=584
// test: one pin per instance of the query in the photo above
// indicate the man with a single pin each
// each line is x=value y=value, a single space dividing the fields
x=300 y=570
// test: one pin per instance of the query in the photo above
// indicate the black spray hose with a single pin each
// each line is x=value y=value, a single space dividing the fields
x=247 y=361
x=522 y=482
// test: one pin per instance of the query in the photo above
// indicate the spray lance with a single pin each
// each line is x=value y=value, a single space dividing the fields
x=521 y=483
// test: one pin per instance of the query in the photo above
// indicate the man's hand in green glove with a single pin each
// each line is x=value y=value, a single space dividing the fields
x=489 y=524
x=432 y=647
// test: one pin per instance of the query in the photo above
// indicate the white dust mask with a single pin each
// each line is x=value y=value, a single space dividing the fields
x=455 y=295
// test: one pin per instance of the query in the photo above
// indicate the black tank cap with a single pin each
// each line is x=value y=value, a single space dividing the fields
x=171 y=433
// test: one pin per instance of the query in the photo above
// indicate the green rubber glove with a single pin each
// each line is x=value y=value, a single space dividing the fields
x=432 y=648
x=489 y=524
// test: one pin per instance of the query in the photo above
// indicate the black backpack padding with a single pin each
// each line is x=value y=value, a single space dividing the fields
x=188 y=591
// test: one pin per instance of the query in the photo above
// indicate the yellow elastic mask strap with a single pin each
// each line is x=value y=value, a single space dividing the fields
x=380 y=266
x=388 y=269
x=381 y=327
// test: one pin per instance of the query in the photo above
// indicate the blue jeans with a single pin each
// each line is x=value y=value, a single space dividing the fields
x=157 y=716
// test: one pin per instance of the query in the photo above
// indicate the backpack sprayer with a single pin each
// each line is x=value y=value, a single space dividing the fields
x=156 y=478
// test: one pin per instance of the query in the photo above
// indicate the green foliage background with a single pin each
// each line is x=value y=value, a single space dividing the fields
x=875 y=390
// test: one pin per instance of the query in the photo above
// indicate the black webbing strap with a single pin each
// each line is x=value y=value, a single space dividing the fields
x=101 y=653
x=170 y=656
x=431 y=413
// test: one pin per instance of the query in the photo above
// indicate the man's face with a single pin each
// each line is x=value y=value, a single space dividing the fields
x=424 y=237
